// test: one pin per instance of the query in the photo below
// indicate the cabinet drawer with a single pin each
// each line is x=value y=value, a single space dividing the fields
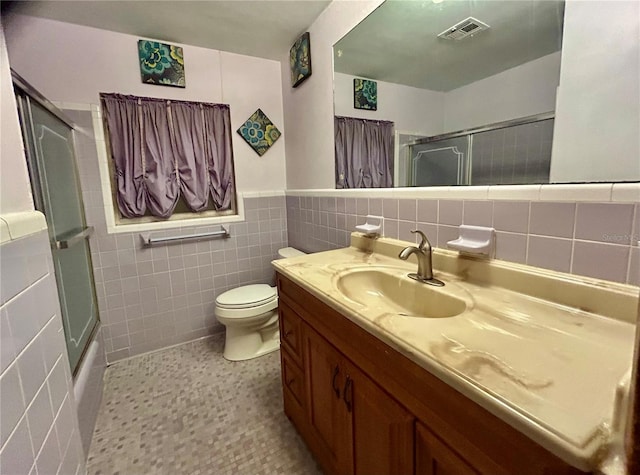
x=290 y=332
x=293 y=378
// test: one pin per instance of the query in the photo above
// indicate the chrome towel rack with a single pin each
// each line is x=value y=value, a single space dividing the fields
x=148 y=241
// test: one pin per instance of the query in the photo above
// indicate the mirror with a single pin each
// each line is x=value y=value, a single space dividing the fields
x=470 y=86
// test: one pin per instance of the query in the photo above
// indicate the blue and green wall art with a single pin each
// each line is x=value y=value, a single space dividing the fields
x=300 y=60
x=365 y=94
x=161 y=63
x=259 y=132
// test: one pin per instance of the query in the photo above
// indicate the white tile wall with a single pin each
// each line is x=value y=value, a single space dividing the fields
x=38 y=424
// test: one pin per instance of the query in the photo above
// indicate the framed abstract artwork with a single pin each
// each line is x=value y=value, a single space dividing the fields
x=161 y=63
x=300 y=60
x=365 y=94
x=259 y=132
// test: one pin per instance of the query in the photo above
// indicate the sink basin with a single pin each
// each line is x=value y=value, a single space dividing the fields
x=398 y=293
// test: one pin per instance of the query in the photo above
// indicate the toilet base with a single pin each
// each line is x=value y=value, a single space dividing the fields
x=241 y=345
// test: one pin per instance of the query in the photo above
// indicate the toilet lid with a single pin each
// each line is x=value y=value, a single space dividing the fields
x=246 y=296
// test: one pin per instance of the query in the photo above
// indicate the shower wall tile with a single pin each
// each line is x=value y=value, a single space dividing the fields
x=38 y=424
x=536 y=233
x=151 y=298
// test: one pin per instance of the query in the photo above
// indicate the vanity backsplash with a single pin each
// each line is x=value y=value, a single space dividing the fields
x=594 y=239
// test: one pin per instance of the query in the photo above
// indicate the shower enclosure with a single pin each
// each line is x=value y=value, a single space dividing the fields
x=49 y=146
x=507 y=153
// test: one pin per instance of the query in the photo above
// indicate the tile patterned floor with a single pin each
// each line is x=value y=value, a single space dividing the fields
x=186 y=410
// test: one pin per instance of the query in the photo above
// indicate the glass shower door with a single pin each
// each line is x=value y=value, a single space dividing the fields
x=57 y=195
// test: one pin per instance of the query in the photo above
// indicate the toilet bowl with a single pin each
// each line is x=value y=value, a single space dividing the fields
x=250 y=315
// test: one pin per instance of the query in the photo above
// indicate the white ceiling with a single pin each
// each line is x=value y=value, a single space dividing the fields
x=262 y=28
x=398 y=42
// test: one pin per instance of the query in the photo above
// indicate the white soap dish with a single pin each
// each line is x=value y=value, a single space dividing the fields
x=474 y=240
x=372 y=226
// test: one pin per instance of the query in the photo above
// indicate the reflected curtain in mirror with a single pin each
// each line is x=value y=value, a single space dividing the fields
x=363 y=153
x=166 y=149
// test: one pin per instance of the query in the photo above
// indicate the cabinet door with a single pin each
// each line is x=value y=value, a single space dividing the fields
x=433 y=457
x=382 y=428
x=327 y=411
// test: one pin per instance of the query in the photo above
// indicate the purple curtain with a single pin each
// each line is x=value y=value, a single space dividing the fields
x=188 y=126
x=162 y=149
x=219 y=152
x=363 y=153
x=160 y=180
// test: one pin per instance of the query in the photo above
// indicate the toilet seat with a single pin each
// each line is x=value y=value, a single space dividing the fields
x=248 y=301
x=247 y=296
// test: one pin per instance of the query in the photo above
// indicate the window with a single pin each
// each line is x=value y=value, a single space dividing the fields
x=171 y=159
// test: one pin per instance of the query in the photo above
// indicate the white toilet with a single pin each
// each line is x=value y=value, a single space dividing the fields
x=250 y=314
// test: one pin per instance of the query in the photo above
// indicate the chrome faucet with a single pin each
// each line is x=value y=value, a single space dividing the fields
x=423 y=253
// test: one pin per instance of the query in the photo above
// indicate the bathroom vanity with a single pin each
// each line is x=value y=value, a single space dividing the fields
x=493 y=381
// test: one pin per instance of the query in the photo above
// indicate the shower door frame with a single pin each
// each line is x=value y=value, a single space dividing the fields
x=25 y=93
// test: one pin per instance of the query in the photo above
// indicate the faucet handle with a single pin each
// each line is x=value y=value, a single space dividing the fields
x=423 y=239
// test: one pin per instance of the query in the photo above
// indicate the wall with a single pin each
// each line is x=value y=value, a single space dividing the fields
x=413 y=110
x=597 y=102
x=598 y=108
x=15 y=190
x=309 y=107
x=522 y=91
x=525 y=90
x=88 y=61
x=542 y=226
x=150 y=298
x=39 y=427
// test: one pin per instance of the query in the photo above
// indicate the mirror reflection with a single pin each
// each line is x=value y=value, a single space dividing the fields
x=456 y=93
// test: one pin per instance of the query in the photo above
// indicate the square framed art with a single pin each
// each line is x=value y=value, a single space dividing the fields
x=365 y=94
x=161 y=63
x=259 y=132
x=300 y=60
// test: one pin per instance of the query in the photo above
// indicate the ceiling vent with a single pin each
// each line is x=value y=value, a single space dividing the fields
x=464 y=29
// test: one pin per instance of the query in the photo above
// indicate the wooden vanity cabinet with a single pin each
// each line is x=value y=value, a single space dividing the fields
x=363 y=429
x=363 y=408
x=434 y=457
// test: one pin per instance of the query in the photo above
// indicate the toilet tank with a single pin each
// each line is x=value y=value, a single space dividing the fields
x=289 y=252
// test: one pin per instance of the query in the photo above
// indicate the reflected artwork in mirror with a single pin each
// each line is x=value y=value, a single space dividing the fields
x=469 y=85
